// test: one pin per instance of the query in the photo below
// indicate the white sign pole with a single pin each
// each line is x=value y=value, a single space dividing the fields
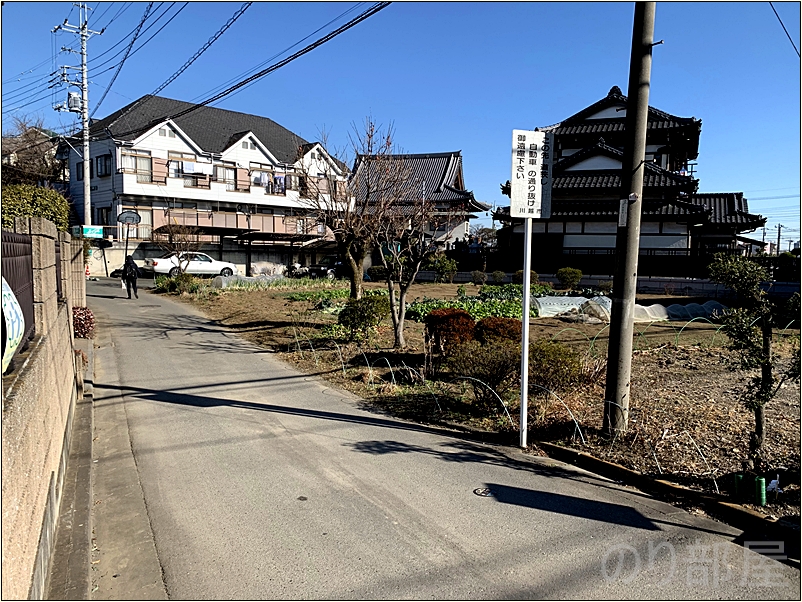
x=530 y=198
x=525 y=329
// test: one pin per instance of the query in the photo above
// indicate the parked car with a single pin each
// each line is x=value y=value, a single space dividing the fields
x=328 y=267
x=199 y=264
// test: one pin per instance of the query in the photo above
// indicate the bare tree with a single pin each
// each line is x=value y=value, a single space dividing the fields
x=29 y=154
x=178 y=239
x=404 y=244
x=352 y=209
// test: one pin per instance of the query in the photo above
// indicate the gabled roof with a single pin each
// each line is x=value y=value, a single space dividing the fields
x=214 y=130
x=578 y=123
x=654 y=176
x=434 y=174
x=728 y=208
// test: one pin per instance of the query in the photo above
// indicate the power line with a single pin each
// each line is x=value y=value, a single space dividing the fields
x=203 y=49
x=278 y=54
x=353 y=22
x=784 y=29
x=126 y=38
x=122 y=62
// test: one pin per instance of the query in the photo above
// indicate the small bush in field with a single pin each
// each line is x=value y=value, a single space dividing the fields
x=554 y=366
x=444 y=267
x=377 y=273
x=183 y=283
x=448 y=328
x=496 y=365
x=489 y=329
x=478 y=277
x=518 y=277
x=360 y=316
x=83 y=322
x=498 y=277
x=569 y=277
x=606 y=286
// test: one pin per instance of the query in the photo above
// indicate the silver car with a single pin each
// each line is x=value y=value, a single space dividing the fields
x=193 y=263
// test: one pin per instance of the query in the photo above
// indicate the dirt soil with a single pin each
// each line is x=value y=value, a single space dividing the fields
x=686 y=423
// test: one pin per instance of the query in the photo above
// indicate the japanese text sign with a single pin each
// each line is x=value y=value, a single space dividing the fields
x=530 y=184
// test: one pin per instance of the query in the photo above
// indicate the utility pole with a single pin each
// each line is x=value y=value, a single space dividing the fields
x=83 y=30
x=619 y=354
x=779 y=237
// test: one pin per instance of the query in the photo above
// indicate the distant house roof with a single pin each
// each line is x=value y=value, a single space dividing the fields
x=214 y=130
x=654 y=176
x=718 y=209
x=578 y=123
x=437 y=175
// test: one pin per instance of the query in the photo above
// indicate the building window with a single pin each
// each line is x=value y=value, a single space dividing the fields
x=79 y=169
x=103 y=166
x=162 y=132
x=170 y=133
x=138 y=163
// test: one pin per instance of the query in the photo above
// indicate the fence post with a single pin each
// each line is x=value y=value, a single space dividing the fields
x=45 y=299
x=64 y=239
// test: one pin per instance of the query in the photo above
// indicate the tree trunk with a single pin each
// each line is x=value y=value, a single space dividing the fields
x=400 y=341
x=766 y=384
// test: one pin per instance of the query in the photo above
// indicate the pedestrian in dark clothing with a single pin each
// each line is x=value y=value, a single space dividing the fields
x=130 y=274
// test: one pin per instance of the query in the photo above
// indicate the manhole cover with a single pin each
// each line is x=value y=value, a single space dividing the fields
x=483 y=492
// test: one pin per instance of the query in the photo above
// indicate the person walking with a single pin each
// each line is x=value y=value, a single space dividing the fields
x=130 y=274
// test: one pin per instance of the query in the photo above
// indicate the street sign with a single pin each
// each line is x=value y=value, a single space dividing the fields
x=93 y=231
x=129 y=217
x=530 y=184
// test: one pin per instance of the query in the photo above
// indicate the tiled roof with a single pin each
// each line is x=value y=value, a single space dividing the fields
x=654 y=176
x=578 y=123
x=713 y=208
x=214 y=130
x=434 y=174
x=728 y=208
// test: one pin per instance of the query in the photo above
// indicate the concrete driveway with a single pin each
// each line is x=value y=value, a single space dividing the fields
x=222 y=473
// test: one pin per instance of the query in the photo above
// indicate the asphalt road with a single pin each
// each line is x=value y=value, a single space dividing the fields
x=222 y=473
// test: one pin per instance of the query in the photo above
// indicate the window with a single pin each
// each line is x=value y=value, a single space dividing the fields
x=162 y=132
x=244 y=145
x=252 y=145
x=138 y=163
x=170 y=133
x=79 y=168
x=103 y=166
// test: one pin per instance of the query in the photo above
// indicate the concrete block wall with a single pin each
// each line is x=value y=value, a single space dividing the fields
x=77 y=286
x=38 y=401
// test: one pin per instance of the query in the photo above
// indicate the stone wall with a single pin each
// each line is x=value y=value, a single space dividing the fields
x=38 y=401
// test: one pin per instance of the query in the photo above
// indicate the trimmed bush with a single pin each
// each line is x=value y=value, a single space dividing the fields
x=569 y=277
x=448 y=328
x=478 y=277
x=26 y=200
x=183 y=283
x=606 y=286
x=83 y=322
x=498 y=277
x=518 y=277
x=491 y=329
x=360 y=316
x=377 y=273
x=497 y=366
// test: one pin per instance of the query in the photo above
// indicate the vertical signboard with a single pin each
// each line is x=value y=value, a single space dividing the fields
x=530 y=184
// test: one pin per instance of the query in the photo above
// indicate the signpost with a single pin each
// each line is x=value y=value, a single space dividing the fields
x=530 y=197
x=128 y=218
x=93 y=231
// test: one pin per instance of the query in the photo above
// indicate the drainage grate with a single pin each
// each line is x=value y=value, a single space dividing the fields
x=484 y=492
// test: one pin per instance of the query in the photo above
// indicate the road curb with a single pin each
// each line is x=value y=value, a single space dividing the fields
x=717 y=506
x=69 y=576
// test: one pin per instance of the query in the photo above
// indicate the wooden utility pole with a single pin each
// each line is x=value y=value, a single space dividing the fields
x=619 y=354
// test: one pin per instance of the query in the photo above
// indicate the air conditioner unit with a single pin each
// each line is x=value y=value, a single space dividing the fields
x=74 y=102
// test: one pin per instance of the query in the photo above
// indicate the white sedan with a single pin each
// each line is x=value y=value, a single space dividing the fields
x=193 y=263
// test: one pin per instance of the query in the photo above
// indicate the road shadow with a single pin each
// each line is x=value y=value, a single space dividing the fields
x=557 y=503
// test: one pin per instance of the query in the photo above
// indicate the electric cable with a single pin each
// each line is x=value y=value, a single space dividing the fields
x=186 y=65
x=784 y=29
x=353 y=22
x=143 y=44
x=126 y=38
x=122 y=62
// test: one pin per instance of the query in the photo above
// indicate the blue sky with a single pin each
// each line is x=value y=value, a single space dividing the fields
x=454 y=76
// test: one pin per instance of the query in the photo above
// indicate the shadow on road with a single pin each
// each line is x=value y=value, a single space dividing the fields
x=563 y=504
